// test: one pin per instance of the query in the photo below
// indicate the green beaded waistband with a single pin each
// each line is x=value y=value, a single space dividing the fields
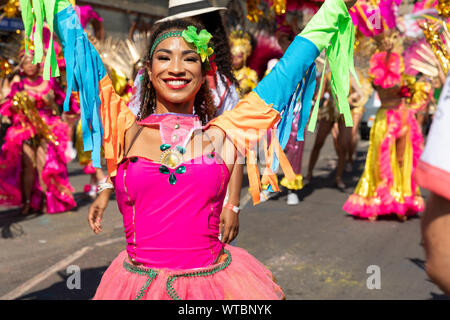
x=153 y=273
x=150 y=273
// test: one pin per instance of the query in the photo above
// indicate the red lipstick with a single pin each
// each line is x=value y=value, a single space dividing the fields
x=176 y=83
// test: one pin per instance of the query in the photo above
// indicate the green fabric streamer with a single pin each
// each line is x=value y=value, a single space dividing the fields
x=332 y=28
x=51 y=63
x=42 y=10
x=38 y=10
x=315 y=111
x=340 y=55
x=61 y=5
x=27 y=18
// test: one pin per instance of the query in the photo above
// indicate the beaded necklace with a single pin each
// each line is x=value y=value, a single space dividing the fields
x=175 y=130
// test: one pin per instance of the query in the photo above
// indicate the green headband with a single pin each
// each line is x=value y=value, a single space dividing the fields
x=200 y=41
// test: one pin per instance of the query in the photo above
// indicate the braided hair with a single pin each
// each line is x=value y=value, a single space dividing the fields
x=204 y=106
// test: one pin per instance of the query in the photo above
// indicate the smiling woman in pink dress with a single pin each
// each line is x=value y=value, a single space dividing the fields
x=170 y=172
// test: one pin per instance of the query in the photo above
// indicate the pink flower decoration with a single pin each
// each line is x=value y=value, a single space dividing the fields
x=386 y=69
x=89 y=169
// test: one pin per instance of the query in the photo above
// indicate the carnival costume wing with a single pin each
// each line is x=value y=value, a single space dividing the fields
x=105 y=117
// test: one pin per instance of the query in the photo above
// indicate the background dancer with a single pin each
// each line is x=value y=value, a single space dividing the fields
x=344 y=138
x=241 y=49
x=33 y=158
x=387 y=185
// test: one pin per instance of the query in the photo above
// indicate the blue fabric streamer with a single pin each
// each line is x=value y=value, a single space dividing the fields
x=306 y=88
x=307 y=96
x=287 y=118
x=300 y=57
x=297 y=85
x=84 y=71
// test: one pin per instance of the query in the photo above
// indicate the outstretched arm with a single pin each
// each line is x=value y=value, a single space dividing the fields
x=104 y=111
x=331 y=28
x=292 y=79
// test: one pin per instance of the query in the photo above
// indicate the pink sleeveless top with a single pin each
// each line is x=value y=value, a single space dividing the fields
x=168 y=225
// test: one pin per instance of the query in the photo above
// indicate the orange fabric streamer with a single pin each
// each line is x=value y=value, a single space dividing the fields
x=117 y=118
x=269 y=177
x=247 y=124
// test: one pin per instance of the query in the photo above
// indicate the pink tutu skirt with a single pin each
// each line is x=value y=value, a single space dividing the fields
x=238 y=276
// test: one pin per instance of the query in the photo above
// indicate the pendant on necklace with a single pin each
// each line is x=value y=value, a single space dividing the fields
x=172 y=158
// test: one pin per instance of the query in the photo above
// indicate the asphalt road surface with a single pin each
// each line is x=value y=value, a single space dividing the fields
x=315 y=250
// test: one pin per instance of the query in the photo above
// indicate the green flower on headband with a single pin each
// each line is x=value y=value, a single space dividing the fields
x=199 y=40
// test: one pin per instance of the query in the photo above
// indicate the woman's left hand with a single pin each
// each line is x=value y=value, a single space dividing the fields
x=229 y=223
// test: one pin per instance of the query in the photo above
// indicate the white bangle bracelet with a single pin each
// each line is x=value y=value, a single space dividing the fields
x=232 y=207
x=103 y=186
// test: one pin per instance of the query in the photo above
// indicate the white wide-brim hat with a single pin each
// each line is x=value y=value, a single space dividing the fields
x=179 y=9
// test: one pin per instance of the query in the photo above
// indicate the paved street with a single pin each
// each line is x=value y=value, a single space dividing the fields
x=315 y=250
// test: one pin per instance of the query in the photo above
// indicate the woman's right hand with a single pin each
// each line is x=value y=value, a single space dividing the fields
x=97 y=209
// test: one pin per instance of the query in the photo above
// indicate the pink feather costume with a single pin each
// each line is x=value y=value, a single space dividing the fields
x=387 y=187
x=58 y=191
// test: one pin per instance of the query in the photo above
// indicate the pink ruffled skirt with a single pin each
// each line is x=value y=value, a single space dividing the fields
x=238 y=276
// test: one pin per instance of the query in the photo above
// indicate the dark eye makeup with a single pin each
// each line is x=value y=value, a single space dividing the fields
x=162 y=57
x=166 y=58
x=192 y=59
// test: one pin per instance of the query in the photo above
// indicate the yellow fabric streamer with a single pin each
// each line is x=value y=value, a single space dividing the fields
x=296 y=184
